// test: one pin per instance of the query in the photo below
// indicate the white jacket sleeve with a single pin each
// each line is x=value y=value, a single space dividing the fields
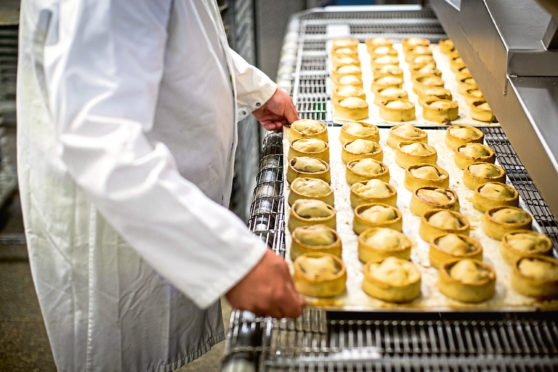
x=253 y=87
x=103 y=66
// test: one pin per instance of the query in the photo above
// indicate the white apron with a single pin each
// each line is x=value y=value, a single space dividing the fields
x=126 y=139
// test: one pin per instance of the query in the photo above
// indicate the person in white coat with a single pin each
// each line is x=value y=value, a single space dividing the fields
x=127 y=115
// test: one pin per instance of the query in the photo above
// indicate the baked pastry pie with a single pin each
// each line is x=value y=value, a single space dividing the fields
x=446 y=46
x=310 y=188
x=307 y=212
x=359 y=130
x=451 y=247
x=522 y=243
x=435 y=93
x=307 y=128
x=353 y=80
x=345 y=52
x=387 y=70
x=396 y=109
x=319 y=275
x=375 y=42
x=346 y=70
x=536 y=276
x=311 y=147
x=377 y=243
x=410 y=43
x=421 y=175
x=473 y=152
x=472 y=95
x=495 y=194
x=428 y=69
x=344 y=43
x=405 y=133
x=376 y=215
x=346 y=91
x=315 y=238
x=462 y=71
x=499 y=221
x=417 y=51
x=480 y=110
x=410 y=153
x=391 y=93
x=304 y=166
x=352 y=108
x=428 y=198
x=439 y=110
x=477 y=174
x=373 y=191
x=421 y=82
x=361 y=149
x=366 y=169
x=386 y=82
x=384 y=60
x=438 y=222
x=392 y=280
x=382 y=51
x=415 y=61
x=344 y=61
x=467 y=280
x=457 y=64
x=466 y=82
x=458 y=135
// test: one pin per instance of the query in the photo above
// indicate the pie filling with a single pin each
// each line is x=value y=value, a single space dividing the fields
x=469 y=272
x=373 y=189
x=435 y=196
x=445 y=220
x=496 y=191
x=464 y=133
x=399 y=104
x=307 y=126
x=394 y=271
x=316 y=235
x=309 y=145
x=484 y=170
x=353 y=102
x=384 y=238
x=306 y=164
x=361 y=146
x=310 y=186
x=527 y=242
x=538 y=269
x=454 y=244
x=324 y=267
x=407 y=130
x=379 y=213
x=416 y=148
x=510 y=215
x=474 y=150
x=310 y=208
x=366 y=166
x=427 y=172
x=358 y=130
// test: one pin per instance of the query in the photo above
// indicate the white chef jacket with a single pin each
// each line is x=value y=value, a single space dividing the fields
x=126 y=142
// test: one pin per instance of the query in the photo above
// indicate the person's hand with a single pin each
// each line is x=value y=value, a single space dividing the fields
x=279 y=110
x=267 y=290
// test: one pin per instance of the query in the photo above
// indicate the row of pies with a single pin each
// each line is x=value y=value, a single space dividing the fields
x=377 y=221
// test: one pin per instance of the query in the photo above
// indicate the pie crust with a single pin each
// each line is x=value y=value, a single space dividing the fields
x=373 y=191
x=436 y=93
x=421 y=175
x=451 y=247
x=473 y=152
x=344 y=43
x=387 y=70
x=499 y=221
x=417 y=51
x=361 y=149
x=461 y=71
x=319 y=275
x=307 y=128
x=344 y=61
x=377 y=243
x=428 y=198
x=410 y=153
x=384 y=82
x=458 y=135
x=446 y=46
x=420 y=61
x=391 y=93
x=421 y=82
x=392 y=280
x=304 y=166
x=410 y=43
x=439 y=110
x=382 y=51
x=536 y=276
x=495 y=194
x=396 y=110
x=477 y=174
x=384 y=61
x=359 y=130
x=352 y=108
x=345 y=52
x=428 y=69
x=310 y=188
x=353 y=80
x=480 y=110
x=346 y=91
x=315 y=238
x=311 y=147
x=344 y=70
x=376 y=42
x=366 y=169
x=467 y=280
x=376 y=215
x=472 y=95
x=466 y=82
x=522 y=243
x=456 y=64
x=307 y=212
x=438 y=222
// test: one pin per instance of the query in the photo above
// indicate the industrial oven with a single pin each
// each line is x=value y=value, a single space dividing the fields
x=322 y=340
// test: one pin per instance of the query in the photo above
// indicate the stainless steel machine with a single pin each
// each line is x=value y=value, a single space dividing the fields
x=525 y=103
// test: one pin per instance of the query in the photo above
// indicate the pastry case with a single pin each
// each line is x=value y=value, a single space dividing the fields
x=439 y=323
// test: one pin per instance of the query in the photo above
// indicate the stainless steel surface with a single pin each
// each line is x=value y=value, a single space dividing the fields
x=501 y=43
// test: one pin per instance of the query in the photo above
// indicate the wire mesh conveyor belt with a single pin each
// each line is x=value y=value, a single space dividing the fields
x=411 y=341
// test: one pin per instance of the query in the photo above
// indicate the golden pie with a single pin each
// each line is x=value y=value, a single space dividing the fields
x=307 y=212
x=310 y=188
x=466 y=82
x=421 y=82
x=411 y=153
x=439 y=110
x=352 y=108
x=345 y=70
x=457 y=64
x=473 y=152
x=377 y=243
x=435 y=93
x=319 y=275
x=417 y=51
x=359 y=130
x=428 y=197
x=315 y=238
x=458 y=135
x=499 y=221
x=410 y=43
x=361 y=149
x=346 y=91
x=522 y=243
x=477 y=174
x=420 y=61
x=451 y=247
x=353 y=80
x=376 y=215
x=421 y=175
x=311 y=147
x=383 y=61
x=345 y=52
x=495 y=194
x=438 y=222
x=446 y=46
x=391 y=93
x=373 y=191
x=387 y=70
x=384 y=82
x=536 y=276
x=344 y=61
x=462 y=71
x=396 y=109
x=307 y=128
x=382 y=51
x=304 y=166
x=480 y=110
x=366 y=169
x=392 y=280
x=428 y=69
x=344 y=43
x=472 y=95
x=375 y=42
x=467 y=280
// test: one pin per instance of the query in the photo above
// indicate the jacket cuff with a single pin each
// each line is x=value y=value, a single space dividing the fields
x=256 y=99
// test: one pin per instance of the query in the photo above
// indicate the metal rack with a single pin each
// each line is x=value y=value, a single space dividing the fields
x=339 y=341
